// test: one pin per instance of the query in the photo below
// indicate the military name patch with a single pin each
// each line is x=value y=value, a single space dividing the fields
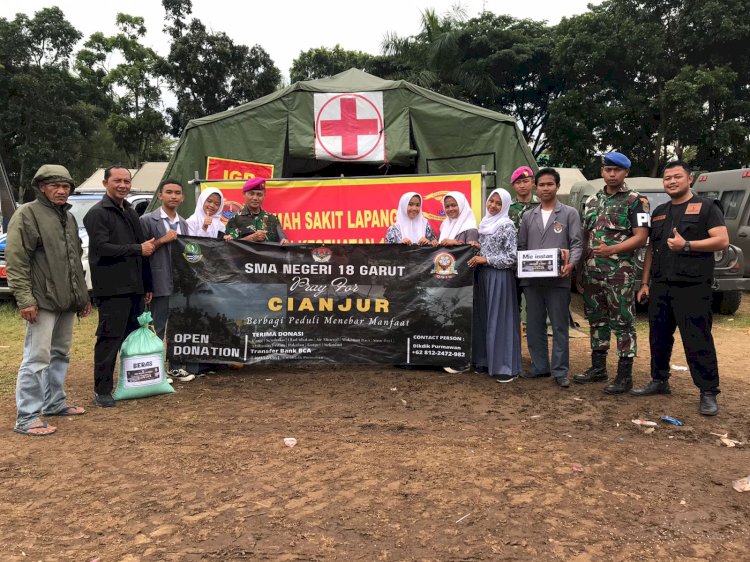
x=658 y=218
x=693 y=208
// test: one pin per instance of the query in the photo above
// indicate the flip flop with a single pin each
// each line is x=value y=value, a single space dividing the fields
x=69 y=411
x=27 y=430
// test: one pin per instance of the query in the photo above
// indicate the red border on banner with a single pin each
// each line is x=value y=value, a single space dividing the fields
x=353 y=210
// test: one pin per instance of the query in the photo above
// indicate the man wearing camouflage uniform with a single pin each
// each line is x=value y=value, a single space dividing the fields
x=522 y=181
x=616 y=223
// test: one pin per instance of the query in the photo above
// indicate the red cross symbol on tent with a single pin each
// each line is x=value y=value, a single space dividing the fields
x=358 y=131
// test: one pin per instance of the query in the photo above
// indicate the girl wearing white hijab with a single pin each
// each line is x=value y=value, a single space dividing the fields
x=496 y=340
x=459 y=226
x=206 y=220
x=411 y=226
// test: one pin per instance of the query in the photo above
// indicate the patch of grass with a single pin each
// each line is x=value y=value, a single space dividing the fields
x=11 y=346
x=13 y=331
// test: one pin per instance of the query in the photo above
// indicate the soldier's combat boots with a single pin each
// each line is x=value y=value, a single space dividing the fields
x=624 y=380
x=598 y=370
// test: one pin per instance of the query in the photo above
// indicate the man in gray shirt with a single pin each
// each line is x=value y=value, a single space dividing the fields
x=551 y=225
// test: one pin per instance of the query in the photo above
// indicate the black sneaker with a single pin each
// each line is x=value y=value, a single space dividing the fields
x=530 y=375
x=504 y=378
x=104 y=400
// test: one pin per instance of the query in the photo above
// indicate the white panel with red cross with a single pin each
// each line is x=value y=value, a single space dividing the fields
x=349 y=127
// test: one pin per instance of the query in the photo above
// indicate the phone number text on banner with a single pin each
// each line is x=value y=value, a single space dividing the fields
x=239 y=302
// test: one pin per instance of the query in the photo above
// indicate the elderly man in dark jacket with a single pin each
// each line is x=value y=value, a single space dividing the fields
x=121 y=278
x=46 y=277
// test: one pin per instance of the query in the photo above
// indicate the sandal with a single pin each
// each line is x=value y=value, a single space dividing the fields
x=69 y=410
x=30 y=429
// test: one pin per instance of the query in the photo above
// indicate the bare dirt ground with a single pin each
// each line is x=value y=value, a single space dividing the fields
x=390 y=464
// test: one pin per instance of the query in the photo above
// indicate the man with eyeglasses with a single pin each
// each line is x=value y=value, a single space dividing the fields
x=46 y=276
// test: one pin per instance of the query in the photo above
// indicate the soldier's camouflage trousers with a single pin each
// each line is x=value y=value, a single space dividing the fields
x=609 y=305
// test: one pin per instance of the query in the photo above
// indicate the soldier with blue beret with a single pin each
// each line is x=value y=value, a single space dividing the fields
x=615 y=222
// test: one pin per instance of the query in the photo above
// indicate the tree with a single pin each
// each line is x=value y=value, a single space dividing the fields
x=651 y=78
x=497 y=62
x=322 y=63
x=45 y=111
x=137 y=125
x=510 y=61
x=207 y=71
x=432 y=58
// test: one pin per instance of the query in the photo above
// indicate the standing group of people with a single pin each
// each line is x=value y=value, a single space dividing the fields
x=130 y=264
x=615 y=222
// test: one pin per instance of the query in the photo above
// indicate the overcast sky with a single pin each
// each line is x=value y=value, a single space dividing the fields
x=285 y=28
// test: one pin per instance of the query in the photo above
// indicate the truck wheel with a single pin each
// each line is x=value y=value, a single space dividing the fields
x=727 y=302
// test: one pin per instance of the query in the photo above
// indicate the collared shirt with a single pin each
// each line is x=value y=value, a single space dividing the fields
x=171 y=225
x=519 y=208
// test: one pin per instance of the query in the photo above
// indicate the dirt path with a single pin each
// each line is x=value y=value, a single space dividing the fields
x=390 y=464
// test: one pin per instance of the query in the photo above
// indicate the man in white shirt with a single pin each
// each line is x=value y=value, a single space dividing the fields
x=163 y=225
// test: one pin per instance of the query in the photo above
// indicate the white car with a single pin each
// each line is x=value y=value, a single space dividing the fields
x=80 y=202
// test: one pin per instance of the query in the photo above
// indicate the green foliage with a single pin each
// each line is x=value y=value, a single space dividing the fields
x=46 y=114
x=207 y=71
x=322 y=62
x=498 y=62
x=652 y=78
x=135 y=121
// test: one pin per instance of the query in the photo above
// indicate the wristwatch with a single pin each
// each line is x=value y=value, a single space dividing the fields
x=687 y=246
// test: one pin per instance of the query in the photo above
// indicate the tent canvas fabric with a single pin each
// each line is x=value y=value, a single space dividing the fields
x=425 y=132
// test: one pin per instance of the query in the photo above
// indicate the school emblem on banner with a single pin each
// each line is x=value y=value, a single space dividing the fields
x=192 y=253
x=445 y=266
x=349 y=127
x=322 y=254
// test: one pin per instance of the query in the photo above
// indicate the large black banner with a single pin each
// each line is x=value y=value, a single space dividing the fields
x=239 y=302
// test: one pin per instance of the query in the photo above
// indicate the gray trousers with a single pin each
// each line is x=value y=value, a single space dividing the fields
x=41 y=377
x=555 y=303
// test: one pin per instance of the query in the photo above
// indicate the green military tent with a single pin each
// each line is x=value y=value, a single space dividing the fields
x=425 y=132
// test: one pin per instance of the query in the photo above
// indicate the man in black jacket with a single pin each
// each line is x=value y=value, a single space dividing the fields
x=119 y=275
x=677 y=276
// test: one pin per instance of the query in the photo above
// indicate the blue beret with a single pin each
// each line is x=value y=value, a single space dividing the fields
x=616 y=159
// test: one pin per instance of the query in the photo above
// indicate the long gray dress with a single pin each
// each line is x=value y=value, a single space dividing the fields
x=496 y=340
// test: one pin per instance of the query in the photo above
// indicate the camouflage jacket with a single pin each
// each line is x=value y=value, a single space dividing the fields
x=244 y=223
x=610 y=219
x=518 y=209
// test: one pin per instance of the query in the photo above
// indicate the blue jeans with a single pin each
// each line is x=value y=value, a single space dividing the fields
x=41 y=376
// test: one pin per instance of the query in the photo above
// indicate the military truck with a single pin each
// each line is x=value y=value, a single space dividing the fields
x=732 y=189
x=729 y=266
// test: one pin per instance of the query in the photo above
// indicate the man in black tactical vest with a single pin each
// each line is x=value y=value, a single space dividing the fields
x=685 y=233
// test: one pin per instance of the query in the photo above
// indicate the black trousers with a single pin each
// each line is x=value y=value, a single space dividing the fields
x=118 y=316
x=687 y=307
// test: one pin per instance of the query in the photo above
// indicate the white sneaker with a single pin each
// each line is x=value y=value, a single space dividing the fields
x=169 y=380
x=181 y=375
